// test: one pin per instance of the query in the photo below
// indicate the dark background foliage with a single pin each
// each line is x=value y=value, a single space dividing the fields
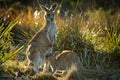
x=68 y=4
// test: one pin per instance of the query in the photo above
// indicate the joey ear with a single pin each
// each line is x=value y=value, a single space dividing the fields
x=44 y=8
x=53 y=7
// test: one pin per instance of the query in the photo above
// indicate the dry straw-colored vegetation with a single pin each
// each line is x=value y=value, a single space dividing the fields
x=93 y=35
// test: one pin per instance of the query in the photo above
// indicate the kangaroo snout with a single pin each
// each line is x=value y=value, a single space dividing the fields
x=52 y=19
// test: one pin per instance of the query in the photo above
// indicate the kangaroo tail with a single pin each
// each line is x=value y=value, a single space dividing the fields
x=72 y=73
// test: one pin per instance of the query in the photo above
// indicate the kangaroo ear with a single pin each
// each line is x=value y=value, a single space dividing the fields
x=53 y=7
x=44 y=8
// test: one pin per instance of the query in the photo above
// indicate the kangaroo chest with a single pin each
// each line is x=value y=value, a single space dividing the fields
x=52 y=28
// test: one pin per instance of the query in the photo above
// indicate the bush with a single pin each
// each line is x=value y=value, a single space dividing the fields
x=7 y=50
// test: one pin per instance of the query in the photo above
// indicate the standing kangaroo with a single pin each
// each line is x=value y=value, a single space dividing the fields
x=42 y=42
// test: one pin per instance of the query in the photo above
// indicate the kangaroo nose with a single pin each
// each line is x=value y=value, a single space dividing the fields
x=52 y=19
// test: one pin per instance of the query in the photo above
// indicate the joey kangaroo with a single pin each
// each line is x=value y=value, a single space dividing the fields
x=42 y=42
x=62 y=61
x=61 y=64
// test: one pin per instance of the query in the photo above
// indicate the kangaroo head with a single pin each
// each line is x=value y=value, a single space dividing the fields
x=49 y=16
